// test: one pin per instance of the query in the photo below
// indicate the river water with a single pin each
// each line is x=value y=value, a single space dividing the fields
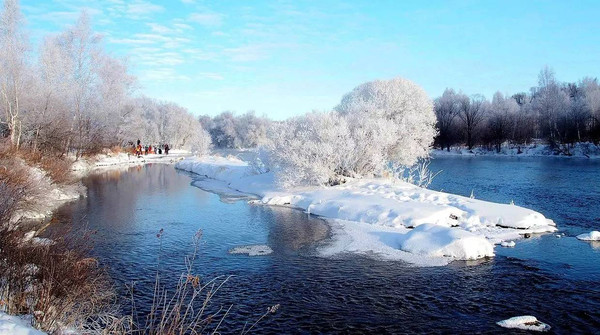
x=555 y=279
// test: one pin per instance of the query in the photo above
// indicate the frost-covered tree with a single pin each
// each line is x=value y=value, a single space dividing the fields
x=471 y=113
x=404 y=106
x=550 y=102
x=230 y=131
x=311 y=149
x=14 y=67
x=446 y=110
x=379 y=125
x=500 y=119
x=161 y=123
x=591 y=89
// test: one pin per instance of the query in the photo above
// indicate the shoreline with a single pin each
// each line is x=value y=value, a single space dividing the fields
x=583 y=150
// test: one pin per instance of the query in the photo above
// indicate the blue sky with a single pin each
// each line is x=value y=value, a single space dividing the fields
x=284 y=58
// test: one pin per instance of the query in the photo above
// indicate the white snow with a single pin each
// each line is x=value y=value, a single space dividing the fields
x=591 y=236
x=439 y=241
x=14 y=325
x=252 y=250
x=525 y=322
x=112 y=159
x=468 y=228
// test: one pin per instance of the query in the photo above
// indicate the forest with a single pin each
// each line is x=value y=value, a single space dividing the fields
x=71 y=96
x=554 y=113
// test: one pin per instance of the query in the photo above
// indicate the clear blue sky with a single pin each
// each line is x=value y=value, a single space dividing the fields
x=283 y=58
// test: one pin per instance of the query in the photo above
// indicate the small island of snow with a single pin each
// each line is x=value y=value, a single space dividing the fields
x=383 y=216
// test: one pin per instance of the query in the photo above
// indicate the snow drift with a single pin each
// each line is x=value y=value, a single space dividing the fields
x=591 y=236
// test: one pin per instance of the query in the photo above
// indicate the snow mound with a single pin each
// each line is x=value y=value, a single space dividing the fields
x=525 y=322
x=252 y=250
x=591 y=236
x=14 y=325
x=437 y=241
x=508 y=244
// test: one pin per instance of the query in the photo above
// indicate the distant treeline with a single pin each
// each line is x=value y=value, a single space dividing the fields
x=559 y=113
x=228 y=130
x=73 y=97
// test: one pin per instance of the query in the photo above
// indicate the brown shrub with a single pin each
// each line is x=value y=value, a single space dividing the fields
x=53 y=280
x=15 y=187
x=55 y=165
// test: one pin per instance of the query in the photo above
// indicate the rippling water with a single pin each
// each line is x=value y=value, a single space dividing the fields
x=349 y=294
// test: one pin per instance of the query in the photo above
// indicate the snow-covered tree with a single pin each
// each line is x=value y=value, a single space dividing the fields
x=230 y=131
x=446 y=110
x=380 y=125
x=14 y=67
x=311 y=149
x=404 y=106
x=500 y=119
x=550 y=102
x=471 y=113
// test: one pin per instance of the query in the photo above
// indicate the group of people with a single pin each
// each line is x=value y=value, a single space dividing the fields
x=149 y=149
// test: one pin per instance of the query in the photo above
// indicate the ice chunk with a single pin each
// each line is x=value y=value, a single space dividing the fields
x=508 y=244
x=252 y=250
x=526 y=322
x=591 y=236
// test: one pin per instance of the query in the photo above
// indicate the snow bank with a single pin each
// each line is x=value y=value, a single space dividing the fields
x=438 y=241
x=252 y=250
x=468 y=228
x=591 y=236
x=46 y=196
x=525 y=322
x=581 y=150
x=14 y=325
x=126 y=159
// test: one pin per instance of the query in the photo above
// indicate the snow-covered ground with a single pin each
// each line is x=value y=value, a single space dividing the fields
x=14 y=325
x=581 y=150
x=109 y=160
x=389 y=218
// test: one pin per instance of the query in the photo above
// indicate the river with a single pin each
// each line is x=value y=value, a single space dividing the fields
x=555 y=279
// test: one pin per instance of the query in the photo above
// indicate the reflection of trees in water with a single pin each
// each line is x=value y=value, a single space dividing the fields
x=115 y=195
x=290 y=228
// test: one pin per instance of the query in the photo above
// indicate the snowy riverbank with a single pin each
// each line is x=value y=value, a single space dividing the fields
x=14 y=325
x=45 y=196
x=389 y=218
x=84 y=166
x=579 y=150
